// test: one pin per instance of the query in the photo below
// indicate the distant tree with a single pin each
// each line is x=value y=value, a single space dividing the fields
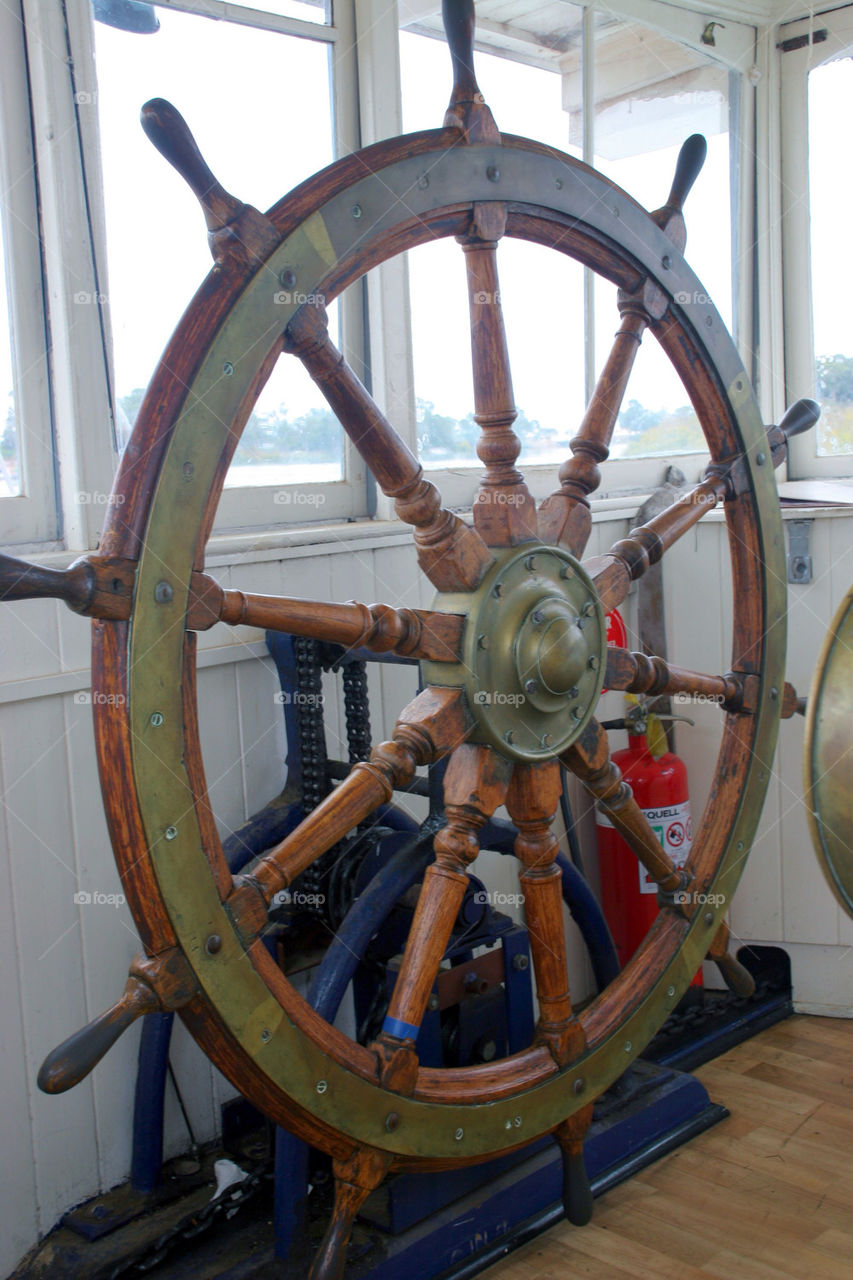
x=835 y=378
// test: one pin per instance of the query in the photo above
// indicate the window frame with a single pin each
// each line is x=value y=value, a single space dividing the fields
x=798 y=327
x=31 y=516
x=735 y=51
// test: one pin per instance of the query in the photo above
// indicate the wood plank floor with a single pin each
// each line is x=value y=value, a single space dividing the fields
x=764 y=1195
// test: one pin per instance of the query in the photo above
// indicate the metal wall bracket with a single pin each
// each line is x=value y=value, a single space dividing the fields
x=799 y=559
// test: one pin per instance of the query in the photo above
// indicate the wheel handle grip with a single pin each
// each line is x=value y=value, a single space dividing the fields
x=168 y=130
x=22 y=581
x=459 y=23
x=72 y=1061
x=691 y=157
x=802 y=416
x=577 y=1193
x=736 y=977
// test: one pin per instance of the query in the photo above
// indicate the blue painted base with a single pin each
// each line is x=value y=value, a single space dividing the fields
x=481 y=1225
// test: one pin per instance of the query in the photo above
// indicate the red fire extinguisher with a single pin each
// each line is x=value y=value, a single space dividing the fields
x=659 y=784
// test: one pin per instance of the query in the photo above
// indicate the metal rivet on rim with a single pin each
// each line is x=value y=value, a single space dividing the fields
x=493 y=173
x=588 y=610
x=228 y=368
x=530 y=562
x=392 y=1121
x=739 y=845
x=459 y=1135
x=188 y=470
x=321 y=1086
x=577 y=713
x=356 y=211
x=670 y=991
x=558 y=183
x=163 y=592
x=530 y=686
x=213 y=944
x=547 y=740
x=156 y=719
x=666 y=262
x=537 y=616
x=423 y=181
x=592 y=662
x=266 y=1035
x=287 y=278
x=171 y=833
x=567 y=571
x=774 y=694
x=760 y=458
x=709 y=917
x=483 y=642
x=628 y=1046
x=509 y=736
x=579 y=1085
x=517 y=1122
x=709 y=320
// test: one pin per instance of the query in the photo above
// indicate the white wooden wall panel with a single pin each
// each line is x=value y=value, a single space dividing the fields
x=56 y=1151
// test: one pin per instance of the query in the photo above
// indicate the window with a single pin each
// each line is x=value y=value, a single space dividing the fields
x=817 y=189
x=231 y=81
x=27 y=482
x=644 y=92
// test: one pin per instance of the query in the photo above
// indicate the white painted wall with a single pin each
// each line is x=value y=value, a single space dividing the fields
x=63 y=962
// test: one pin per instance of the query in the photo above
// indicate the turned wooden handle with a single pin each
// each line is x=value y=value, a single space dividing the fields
x=577 y=1193
x=22 y=581
x=459 y=22
x=736 y=977
x=72 y=1061
x=168 y=130
x=691 y=157
x=802 y=416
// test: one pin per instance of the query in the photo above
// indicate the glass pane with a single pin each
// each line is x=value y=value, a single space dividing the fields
x=830 y=197
x=232 y=84
x=651 y=94
x=546 y=358
x=10 y=478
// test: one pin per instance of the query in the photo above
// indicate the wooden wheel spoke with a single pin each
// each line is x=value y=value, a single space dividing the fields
x=416 y=633
x=504 y=511
x=565 y=517
x=589 y=760
x=724 y=481
x=532 y=800
x=474 y=787
x=428 y=729
x=453 y=556
x=637 y=673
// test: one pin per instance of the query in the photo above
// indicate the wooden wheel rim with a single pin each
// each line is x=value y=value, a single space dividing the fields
x=247 y=1018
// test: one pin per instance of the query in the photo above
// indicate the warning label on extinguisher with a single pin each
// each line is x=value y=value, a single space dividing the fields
x=673 y=827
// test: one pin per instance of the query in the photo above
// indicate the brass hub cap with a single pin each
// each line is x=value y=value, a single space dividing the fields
x=534 y=652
